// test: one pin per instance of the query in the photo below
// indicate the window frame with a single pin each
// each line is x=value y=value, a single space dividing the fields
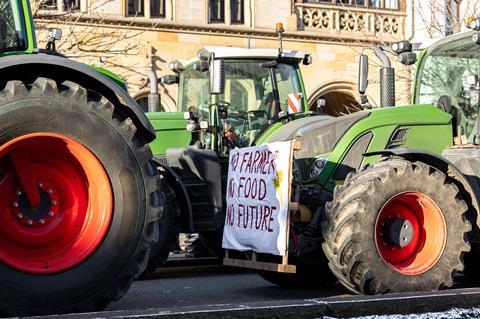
x=222 y=9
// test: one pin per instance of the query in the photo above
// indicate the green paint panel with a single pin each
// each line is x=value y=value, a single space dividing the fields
x=112 y=76
x=423 y=122
x=170 y=128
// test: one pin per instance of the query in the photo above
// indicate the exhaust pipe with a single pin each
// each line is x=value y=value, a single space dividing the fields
x=153 y=97
x=387 y=78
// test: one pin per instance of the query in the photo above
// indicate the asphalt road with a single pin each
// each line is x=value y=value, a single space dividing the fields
x=210 y=286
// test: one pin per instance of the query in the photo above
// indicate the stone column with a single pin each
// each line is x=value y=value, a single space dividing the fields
x=84 y=5
x=60 y=6
x=147 y=9
x=169 y=9
x=247 y=9
x=228 y=12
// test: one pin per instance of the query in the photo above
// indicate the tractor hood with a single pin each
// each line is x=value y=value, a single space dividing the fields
x=317 y=134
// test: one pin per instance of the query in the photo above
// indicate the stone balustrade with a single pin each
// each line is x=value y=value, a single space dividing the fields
x=352 y=22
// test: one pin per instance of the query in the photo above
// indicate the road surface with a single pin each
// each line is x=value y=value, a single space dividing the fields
x=210 y=285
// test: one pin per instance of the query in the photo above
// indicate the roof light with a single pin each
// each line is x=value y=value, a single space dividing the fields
x=279 y=27
x=402 y=46
x=473 y=23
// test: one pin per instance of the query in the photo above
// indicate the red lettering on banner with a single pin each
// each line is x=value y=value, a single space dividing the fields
x=240 y=213
x=231 y=188
x=244 y=160
x=270 y=230
x=264 y=185
x=248 y=188
x=255 y=161
x=230 y=215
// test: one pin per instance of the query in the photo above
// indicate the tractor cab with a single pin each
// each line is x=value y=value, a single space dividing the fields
x=227 y=98
x=258 y=86
x=12 y=27
x=443 y=75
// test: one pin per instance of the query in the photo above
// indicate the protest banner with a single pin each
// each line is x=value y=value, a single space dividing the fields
x=258 y=197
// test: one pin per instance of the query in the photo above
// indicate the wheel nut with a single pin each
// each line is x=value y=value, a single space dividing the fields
x=42 y=221
x=19 y=193
x=50 y=191
x=54 y=202
x=50 y=214
x=40 y=184
x=20 y=215
x=30 y=222
x=15 y=204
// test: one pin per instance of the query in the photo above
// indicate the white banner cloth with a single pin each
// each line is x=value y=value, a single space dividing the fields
x=258 y=191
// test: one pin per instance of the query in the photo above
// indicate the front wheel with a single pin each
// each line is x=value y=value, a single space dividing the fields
x=79 y=199
x=396 y=226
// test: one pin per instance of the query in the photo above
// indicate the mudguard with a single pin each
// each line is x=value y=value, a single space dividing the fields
x=183 y=199
x=25 y=66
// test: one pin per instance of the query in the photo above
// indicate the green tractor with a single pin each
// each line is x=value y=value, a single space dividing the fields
x=232 y=97
x=80 y=194
x=409 y=222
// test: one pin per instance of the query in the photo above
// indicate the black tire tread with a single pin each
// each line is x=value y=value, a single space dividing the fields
x=346 y=255
x=41 y=87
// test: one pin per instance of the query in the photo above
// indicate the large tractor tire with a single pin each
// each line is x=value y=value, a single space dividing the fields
x=79 y=199
x=169 y=228
x=396 y=226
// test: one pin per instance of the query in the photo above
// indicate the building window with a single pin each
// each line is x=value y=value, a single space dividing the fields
x=136 y=8
x=157 y=8
x=237 y=14
x=217 y=11
x=68 y=5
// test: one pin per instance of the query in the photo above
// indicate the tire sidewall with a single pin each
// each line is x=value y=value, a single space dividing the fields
x=417 y=180
x=83 y=123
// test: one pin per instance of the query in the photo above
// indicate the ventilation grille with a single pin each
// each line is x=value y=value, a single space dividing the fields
x=399 y=135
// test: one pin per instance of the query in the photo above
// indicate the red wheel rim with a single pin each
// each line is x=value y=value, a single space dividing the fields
x=410 y=233
x=75 y=208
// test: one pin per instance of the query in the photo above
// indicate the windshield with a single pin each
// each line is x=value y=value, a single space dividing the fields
x=12 y=30
x=248 y=87
x=444 y=72
x=249 y=95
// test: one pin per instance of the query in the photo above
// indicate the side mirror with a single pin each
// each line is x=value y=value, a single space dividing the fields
x=363 y=74
x=217 y=75
x=169 y=79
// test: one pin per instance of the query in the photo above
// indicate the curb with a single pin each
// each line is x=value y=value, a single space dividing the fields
x=344 y=306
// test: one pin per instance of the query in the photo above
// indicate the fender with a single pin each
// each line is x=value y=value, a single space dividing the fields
x=458 y=172
x=25 y=66
x=183 y=200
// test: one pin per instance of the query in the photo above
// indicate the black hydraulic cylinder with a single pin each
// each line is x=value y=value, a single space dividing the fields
x=387 y=86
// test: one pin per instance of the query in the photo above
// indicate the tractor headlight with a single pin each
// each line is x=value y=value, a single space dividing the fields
x=317 y=167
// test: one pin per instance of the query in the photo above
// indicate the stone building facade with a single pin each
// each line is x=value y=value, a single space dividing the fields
x=131 y=36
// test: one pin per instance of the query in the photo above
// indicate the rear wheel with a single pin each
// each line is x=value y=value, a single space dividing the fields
x=396 y=226
x=79 y=199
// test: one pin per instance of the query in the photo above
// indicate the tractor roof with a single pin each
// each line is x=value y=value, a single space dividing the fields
x=243 y=53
